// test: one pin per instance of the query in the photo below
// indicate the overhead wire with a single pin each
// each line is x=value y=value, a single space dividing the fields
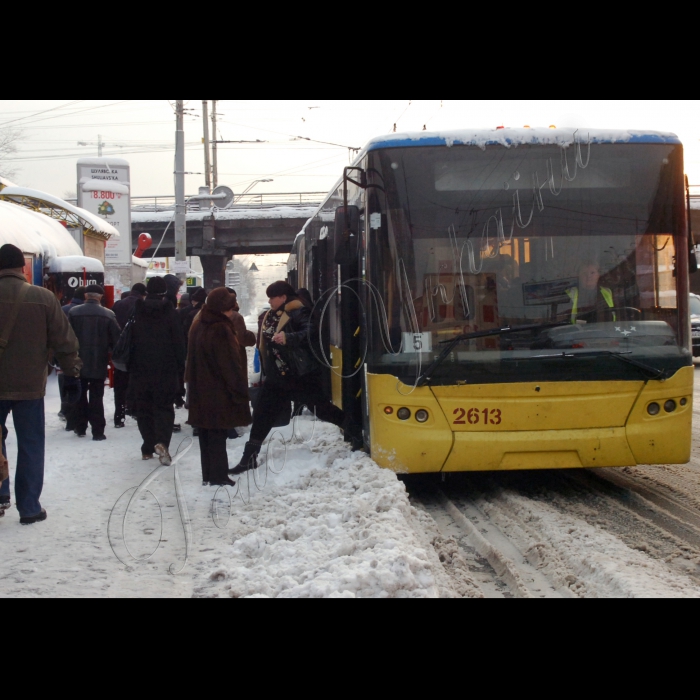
x=45 y=111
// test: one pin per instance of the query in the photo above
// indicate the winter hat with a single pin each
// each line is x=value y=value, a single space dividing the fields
x=173 y=283
x=80 y=293
x=11 y=258
x=157 y=286
x=139 y=289
x=281 y=289
x=221 y=300
x=95 y=289
x=198 y=297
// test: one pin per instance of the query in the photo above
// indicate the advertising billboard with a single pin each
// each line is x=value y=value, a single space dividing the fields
x=104 y=189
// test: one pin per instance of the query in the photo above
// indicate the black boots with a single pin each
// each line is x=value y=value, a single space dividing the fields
x=249 y=461
x=353 y=433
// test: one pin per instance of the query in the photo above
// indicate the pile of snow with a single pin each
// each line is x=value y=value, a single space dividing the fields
x=332 y=525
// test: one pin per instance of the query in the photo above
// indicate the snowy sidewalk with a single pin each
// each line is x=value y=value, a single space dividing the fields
x=332 y=524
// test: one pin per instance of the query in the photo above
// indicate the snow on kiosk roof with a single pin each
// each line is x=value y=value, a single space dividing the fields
x=75 y=263
x=518 y=137
x=58 y=209
x=35 y=233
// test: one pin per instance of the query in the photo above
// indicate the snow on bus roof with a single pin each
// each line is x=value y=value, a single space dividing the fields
x=86 y=218
x=518 y=137
x=34 y=233
x=76 y=263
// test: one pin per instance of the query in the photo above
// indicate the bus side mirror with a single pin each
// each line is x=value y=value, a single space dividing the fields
x=347 y=231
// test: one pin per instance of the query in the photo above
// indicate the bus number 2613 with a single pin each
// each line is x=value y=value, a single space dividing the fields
x=475 y=416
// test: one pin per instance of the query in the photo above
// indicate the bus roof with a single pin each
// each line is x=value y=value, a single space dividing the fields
x=518 y=137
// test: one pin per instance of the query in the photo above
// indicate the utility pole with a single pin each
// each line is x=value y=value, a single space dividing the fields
x=180 y=206
x=100 y=144
x=216 y=138
x=207 y=163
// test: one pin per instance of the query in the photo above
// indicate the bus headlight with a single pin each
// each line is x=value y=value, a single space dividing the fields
x=654 y=409
x=403 y=414
x=422 y=416
x=670 y=406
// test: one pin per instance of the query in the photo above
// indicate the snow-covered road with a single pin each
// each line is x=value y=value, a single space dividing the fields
x=332 y=524
x=606 y=533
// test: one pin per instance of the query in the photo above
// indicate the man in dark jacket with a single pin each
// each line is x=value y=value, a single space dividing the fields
x=97 y=331
x=77 y=300
x=158 y=363
x=67 y=411
x=124 y=310
x=187 y=315
x=39 y=328
x=173 y=284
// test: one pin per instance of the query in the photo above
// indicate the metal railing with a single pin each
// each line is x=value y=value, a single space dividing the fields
x=273 y=199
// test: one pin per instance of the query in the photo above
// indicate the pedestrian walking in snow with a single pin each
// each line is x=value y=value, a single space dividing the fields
x=4 y=475
x=187 y=315
x=290 y=371
x=218 y=385
x=124 y=310
x=98 y=332
x=32 y=326
x=174 y=284
x=158 y=361
x=246 y=338
x=77 y=300
x=67 y=411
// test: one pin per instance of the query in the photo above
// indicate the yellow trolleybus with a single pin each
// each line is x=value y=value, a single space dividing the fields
x=508 y=299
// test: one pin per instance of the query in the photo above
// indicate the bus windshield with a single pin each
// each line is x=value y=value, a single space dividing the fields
x=463 y=240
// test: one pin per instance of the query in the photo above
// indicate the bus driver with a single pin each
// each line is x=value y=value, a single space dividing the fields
x=589 y=300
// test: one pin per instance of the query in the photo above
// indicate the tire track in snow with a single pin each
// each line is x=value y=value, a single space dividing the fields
x=499 y=567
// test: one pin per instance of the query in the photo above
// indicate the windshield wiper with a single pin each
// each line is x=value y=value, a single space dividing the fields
x=649 y=372
x=450 y=344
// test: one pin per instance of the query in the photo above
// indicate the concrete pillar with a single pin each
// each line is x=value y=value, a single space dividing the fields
x=214 y=267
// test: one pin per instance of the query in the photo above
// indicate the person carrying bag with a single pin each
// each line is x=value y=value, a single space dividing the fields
x=33 y=326
x=290 y=369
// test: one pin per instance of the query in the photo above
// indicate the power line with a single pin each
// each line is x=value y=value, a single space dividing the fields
x=53 y=109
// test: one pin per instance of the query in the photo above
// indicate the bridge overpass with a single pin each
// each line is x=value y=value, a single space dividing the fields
x=260 y=224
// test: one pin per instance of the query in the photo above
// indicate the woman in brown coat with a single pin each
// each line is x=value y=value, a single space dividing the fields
x=218 y=389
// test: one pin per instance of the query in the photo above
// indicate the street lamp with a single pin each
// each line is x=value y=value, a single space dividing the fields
x=257 y=182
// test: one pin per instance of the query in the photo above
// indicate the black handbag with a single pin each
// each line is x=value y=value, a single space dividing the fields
x=301 y=361
x=121 y=355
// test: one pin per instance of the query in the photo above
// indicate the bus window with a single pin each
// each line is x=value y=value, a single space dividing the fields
x=454 y=251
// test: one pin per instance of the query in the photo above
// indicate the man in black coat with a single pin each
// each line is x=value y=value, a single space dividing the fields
x=124 y=310
x=77 y=300
x=98 y=332
x=188 y=314
x=158 y=362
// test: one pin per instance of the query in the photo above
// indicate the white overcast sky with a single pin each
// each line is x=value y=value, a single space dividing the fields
x=142 y=131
